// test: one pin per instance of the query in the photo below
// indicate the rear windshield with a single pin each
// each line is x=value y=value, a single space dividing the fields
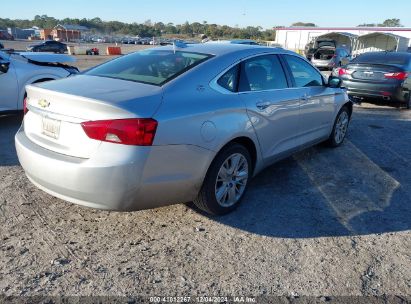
x=154 y=67
x=383 y=58
x=325 y=43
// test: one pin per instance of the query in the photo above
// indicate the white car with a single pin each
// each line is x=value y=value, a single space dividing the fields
x=20 y=69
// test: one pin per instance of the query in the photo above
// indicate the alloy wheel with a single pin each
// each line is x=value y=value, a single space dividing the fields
x=231 y=180
x=341 y=127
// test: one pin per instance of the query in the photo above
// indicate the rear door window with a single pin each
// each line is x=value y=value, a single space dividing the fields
x=262 y=73
x=303 y=73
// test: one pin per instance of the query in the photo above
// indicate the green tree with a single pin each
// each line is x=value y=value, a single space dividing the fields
x=147 y=28
x=308 y=24
x=392 y=23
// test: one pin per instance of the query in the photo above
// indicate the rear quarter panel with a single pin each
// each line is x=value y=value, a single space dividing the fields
x=207 y=119
x=193 y=113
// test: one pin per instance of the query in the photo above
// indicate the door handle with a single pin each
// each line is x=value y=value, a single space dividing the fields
x=263 y=105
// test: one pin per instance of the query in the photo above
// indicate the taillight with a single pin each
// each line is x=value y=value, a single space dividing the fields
x=134 y=131
x=398 y=76
x=25 y=110
x=343 y=71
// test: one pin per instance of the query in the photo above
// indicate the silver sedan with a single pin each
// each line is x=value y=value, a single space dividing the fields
x=176 y=124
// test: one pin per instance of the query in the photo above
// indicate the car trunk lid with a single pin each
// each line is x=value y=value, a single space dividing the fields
x=57 y=109
x=325 y=54
x=372 y=72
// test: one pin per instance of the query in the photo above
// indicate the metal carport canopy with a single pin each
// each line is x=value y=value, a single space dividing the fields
x=379 y=41
x=341 y=38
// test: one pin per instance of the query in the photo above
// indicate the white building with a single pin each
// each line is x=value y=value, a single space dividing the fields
x=296 y=38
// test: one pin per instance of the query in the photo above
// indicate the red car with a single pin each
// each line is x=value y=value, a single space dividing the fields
x=93 y=51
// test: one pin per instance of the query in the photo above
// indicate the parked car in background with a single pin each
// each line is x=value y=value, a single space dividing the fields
x=4 y=35
x=93 y=51
x=145 y=40
x=237 y=41
x=314 y=45
x=127 y=41
x=20 y=69
x=170 y=125
x=379 y=76
x=328 y=57
x=48 y=46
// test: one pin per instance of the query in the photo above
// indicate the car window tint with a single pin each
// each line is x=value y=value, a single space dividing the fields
x=383 y=57
x=150 y=66
x=262 y=73
x=304 y=74
x=229 y=79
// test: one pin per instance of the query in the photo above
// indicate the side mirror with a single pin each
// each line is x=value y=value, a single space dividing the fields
x=4 y=66
x=334 y=82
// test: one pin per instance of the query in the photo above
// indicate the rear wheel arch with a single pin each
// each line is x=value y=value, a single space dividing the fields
x=229 y=183
x=247 y=143
x=43 y=80
x=349 y=106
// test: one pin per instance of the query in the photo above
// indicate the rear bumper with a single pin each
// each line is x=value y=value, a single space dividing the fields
x=117 y=177
x=323 y=64
x=387 y=92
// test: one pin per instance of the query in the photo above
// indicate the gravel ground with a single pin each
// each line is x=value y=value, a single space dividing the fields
x=323 y=222
x=332 y=222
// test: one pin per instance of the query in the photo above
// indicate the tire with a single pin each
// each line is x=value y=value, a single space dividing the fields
x=219 y=179
x=340 y=128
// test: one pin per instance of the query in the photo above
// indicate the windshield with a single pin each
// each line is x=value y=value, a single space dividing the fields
x=150 y=66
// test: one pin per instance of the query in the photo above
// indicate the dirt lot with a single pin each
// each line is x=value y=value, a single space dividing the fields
x=324 y=222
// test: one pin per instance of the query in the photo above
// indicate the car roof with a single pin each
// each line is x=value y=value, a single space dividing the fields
x=220 y=49
x=393 y=58
x=236 y=41
x=388 y=54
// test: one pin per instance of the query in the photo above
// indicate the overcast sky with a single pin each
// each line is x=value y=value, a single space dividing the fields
x=265 y=13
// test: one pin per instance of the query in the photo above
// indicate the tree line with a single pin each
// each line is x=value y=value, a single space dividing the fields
x=147 y=29
x=387 y=23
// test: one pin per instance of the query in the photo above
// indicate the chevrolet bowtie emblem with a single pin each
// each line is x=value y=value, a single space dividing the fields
x=43 y=103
